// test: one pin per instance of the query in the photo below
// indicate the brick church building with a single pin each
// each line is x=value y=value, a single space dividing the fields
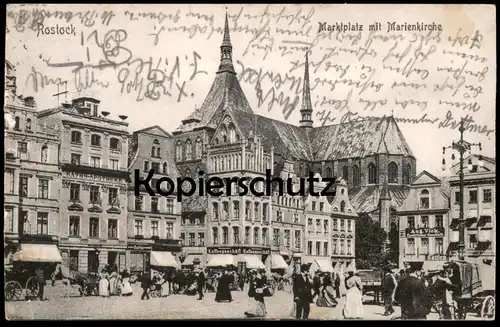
x=224 y=136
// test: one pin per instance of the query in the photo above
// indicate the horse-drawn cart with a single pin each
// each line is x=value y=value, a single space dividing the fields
x=20 y=277
x=475 y=291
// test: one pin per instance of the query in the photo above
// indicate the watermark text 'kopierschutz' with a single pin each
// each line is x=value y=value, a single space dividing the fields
x=213 y=186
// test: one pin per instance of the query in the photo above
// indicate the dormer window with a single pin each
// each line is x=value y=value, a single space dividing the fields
x=95 y=140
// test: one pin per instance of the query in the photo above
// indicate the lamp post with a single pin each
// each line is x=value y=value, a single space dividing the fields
x=462 y=147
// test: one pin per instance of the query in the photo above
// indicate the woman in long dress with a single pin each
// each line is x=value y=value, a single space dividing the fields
x=353 y=307
x=104 y=284
x=258 y=282
x=126 y=287
x=224 y=288
x=327 y=294
x=113 y=283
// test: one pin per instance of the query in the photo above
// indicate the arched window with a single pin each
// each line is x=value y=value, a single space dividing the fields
x=237 y=137
x=407 y=175
x=187 y=173
x=342 y=206
x=424 y=199
x=232 y=133
x=44 y=153
x=356 y=176
x=153 y=151
x=158 y=152
x=76 y=137
x=216 y=141
x=17 y=124
x=345 y=173
x=178 y=151
x=256 y=236
x=372 y=173
x=114 y=144
x=28 y=124
x=328 y=172
x=225 y=235
x=198 y=148
x=189 y=150
x=165 y=168
x=236 y=235
x=393 y=173
x=224 y=134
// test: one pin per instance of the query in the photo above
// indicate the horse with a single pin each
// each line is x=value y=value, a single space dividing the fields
x=70 y=279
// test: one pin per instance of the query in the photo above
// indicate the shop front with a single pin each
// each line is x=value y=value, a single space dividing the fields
x=240 y=258
x=138 y=258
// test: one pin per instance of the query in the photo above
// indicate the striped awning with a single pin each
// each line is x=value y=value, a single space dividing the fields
x=221 y=260
x=163 y=259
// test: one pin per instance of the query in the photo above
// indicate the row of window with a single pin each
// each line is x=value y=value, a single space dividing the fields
x=192 y=239
x=140 y=204
x=473 y=196
x=42 y=222
x=43 y=185
x=425 y=222
x=95 y=194
x=157 y=167
x=288 y=201
x=326 y=224
x=94 y=229
x=338 y=247
x=392 y=174
x=424 y=246
x=154 y=228
x=279 y=217
x=234 y=162
x=216 y=212
x=17 y=124
x=188 y=150
x=193 y=221
x=258 y=238
x=227 y=135
x=22 y=151
x=95 y=140
x=95 y=161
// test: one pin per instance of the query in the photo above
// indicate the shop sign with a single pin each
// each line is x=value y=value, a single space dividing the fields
x=238 y=250
x=139 y=247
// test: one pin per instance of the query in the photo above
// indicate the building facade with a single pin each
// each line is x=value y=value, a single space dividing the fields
x=423 y=224
x=225 y=137
x=92 y=198
x=153 y=221
x=31 y=175
x=479 y=211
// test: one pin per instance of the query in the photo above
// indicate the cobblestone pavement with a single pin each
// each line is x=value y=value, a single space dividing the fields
x=172 y=307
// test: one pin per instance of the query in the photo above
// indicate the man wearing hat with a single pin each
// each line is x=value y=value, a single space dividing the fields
x=302 y=286
x=201 y=283
x=316 y=284
x=388 y=287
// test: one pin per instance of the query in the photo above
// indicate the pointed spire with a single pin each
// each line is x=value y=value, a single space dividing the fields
x=226 y=51
x=384 y=193
x=306 y=110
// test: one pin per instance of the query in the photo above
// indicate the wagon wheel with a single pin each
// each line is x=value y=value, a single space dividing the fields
x=32 y=288
x=488 y=308
x=13 y=291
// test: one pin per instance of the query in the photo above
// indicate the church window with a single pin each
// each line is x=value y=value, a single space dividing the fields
x=393 y=173
x=356 y=176
x=372 y=173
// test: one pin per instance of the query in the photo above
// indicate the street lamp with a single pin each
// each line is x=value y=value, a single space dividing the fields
x=462 y=147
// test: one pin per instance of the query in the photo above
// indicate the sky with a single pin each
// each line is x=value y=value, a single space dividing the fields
x=162 y=59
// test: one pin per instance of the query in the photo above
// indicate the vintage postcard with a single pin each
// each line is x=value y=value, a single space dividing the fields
x=283 y=161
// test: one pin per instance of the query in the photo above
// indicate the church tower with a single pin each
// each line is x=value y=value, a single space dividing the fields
x=306 y=110
x=226 y=52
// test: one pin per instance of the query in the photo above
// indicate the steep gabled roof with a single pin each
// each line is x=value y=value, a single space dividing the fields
x=366 y=199
x=287 y=139
x=430 y=178
x=225 y=92
x=358 y=139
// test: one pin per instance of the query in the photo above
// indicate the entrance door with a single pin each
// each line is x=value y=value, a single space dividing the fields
x=93 y=262
x=113 y=259
x=73 y=260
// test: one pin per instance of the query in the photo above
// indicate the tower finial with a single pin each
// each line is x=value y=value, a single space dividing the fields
x=226 y=50
x=306 y=110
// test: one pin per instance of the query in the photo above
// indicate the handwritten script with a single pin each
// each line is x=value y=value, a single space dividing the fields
x=431 y=77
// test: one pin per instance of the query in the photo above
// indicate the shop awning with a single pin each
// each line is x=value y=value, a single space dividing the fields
x=484 y=222
x=38 y=253
x=221 y=260
x=163 y=259
x=277 y=261
x=454 y=223
x=323 y=265
x=193 y=259
x=252 y=261
x=472 y=222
